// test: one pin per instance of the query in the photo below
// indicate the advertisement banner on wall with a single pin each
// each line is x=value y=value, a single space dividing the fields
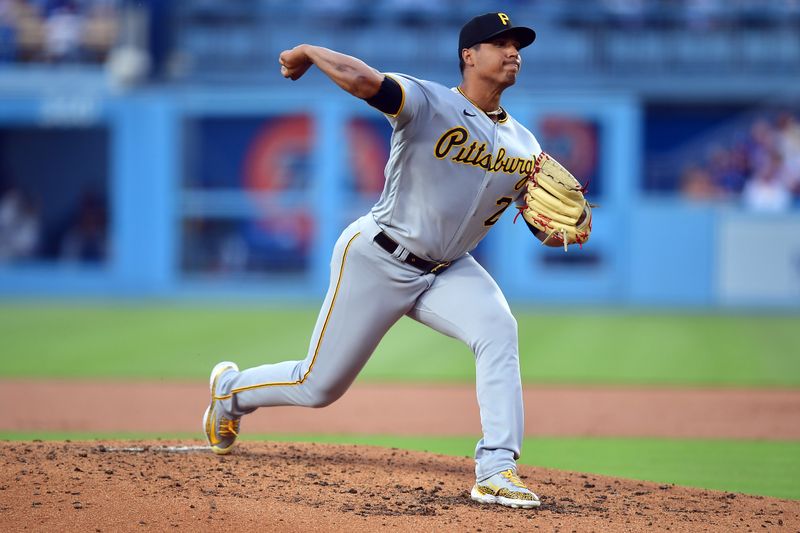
x=759 y=260
x=255 y=179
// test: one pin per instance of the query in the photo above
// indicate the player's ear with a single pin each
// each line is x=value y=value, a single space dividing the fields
x=467 y=56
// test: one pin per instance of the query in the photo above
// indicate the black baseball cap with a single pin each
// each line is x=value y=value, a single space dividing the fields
x=486 y=27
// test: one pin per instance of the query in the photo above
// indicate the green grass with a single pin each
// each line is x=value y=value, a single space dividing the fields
x=164 y=342
x=181 y=342
x=752 y=467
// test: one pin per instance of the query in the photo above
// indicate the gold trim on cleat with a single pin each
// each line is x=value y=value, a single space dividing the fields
x=487 y=492
x=227 y=426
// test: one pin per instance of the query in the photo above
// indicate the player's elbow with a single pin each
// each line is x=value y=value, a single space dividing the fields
x=365 y=86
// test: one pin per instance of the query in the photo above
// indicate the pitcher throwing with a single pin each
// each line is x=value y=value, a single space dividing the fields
x=458 y=160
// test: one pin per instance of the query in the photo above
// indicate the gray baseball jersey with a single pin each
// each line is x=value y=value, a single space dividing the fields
x=452 y=170
x=451 y=174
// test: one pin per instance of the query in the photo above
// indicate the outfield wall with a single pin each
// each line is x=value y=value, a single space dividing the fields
x=243 y=193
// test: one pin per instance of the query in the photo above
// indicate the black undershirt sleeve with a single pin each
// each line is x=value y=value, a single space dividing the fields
x=389 y=97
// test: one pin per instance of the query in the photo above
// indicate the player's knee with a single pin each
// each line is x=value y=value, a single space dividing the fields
x=324 y=396
x=501 y=327
x=510 y=326
x=497 y=335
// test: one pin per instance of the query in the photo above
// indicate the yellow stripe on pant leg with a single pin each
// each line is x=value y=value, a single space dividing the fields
x=319 y=342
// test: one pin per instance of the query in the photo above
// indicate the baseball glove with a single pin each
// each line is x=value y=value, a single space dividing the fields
x=556 y=204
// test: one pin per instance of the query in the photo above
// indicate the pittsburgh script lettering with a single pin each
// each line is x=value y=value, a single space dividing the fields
x=473 y=153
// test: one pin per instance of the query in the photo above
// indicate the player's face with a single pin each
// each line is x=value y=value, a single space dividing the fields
x=499 y=60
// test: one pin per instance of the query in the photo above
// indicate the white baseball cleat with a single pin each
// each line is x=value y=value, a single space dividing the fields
x=505 y=488
x=221 y=428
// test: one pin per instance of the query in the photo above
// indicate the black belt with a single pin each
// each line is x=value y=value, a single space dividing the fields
x=430 y=267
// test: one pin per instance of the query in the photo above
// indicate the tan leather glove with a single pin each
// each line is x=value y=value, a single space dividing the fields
x=556 y=204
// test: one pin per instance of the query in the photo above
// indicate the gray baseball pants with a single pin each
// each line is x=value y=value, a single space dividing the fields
x=369 y=291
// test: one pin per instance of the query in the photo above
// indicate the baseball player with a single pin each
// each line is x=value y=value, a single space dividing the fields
x=458 y=160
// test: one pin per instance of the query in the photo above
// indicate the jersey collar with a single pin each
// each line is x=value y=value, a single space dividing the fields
x=503 y=117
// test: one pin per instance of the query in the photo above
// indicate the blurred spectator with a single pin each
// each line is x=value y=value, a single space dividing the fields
x=761 y=143
x=727 y=173
x=8 y=32
x=63 y=29
x=766 y=191
x=20 y=226
x=99 y=32
x=788 y=146
x=761 y=163
x=30 y=31
x=696 y=184
x=57 y=30
x=85 y=239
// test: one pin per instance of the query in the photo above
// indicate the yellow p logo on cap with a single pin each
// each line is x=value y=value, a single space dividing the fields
x=503 y=18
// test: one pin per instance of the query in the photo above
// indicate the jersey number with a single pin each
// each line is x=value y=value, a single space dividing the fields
x=503 y=202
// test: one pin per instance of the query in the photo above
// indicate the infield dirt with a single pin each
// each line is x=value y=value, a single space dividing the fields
x=146 y=486
x=151 y=486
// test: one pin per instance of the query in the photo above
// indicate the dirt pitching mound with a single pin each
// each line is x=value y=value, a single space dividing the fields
x=123 y=486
